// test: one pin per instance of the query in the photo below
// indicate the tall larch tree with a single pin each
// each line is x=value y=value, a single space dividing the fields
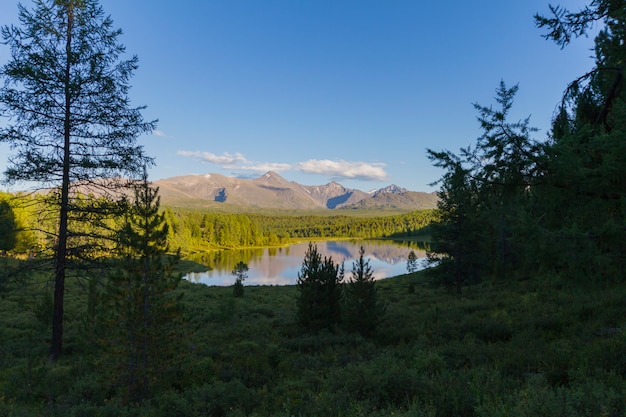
x=70 y=121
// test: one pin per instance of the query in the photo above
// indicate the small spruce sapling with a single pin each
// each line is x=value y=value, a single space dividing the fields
x=241 y=273
x=411 y=262
x=363 y=310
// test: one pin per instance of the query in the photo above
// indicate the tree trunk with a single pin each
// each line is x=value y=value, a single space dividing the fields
x=61 y=261
x=61 y=253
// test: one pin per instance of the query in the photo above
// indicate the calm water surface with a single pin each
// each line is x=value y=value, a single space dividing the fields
x=280 y=266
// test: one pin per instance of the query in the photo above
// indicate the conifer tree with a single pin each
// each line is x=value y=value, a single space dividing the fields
x=485 y=197
x=583 y=194
x=241 y=273
x=512 y=205
x=457 y=246
x=70 y=122
x=146 y=312
x=411 y=262
x=320 y=291
x=363 y=309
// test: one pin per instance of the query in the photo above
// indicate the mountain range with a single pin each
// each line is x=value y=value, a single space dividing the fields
x=271 y=191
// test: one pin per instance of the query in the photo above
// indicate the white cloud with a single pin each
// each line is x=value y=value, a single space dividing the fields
x=160 y=133
x=340 y=169
x=226 y=159
x=267 y=166
x=335 y=169
x=235 y=162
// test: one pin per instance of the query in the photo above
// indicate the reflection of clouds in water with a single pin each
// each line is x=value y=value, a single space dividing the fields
x=379 y=270
x=280 y=266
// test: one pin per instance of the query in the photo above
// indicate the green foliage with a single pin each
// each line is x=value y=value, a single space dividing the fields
x=454 y=235
x=582 y=195
x=195 y=230
x=145 y=312
x=70 y=124
x=518 y=348
x=320 y=291
x=8 y=228
x=547 y=344
x=363 y=310
x=565 y=25
x=17 y=213
x=241 y=273
x=64 y=67
x=512 y=206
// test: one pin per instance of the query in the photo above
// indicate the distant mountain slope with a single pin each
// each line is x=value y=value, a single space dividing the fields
x=274 y=192
x=408 y=200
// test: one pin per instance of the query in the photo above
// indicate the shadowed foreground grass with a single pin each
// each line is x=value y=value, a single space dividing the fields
x=537 y=347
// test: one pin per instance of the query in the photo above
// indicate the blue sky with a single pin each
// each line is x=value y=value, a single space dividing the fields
x=322 y=90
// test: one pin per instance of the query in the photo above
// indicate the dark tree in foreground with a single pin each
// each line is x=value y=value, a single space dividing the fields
x=241 y=273
x=583 y=195
x=320 y=291
x=484 y=197
x=456 y=236
x=511 y=206
x=363 y=309
x=70 y=121
x=146 y=313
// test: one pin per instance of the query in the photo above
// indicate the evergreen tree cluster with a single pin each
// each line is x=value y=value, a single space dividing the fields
x=320 y=293
x=515 y=206
x=325 y=300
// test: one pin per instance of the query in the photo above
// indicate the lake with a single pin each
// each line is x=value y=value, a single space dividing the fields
x=280 y=266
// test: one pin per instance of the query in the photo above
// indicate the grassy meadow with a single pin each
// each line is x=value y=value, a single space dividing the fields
x=539 y=347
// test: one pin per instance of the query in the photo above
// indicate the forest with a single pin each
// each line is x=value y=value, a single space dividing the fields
x=28 y=222
x=193 y=230
x=520 y=313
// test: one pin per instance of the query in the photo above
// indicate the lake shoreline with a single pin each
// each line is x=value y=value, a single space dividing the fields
x=280 y=265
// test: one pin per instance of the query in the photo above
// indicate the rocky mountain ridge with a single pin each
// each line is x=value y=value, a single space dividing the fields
x=270 y=190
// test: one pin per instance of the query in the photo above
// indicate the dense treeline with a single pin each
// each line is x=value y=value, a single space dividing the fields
x=32 y=222
x=25 y=224
x=409 y=224
x=196 y=230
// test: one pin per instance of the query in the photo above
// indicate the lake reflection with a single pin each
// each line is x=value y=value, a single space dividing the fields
x=280 y=266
